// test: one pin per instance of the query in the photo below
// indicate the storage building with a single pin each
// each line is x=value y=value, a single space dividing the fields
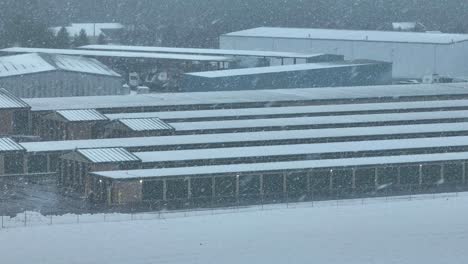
x=413 y=54
x=45 y=75
x=308 y=75
x=71 y=125
x=283 y=181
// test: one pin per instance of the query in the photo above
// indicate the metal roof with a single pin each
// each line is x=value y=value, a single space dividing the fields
x=108 y=155
x=318 y=120
x=283 y=166
x=23 y=64
x=8 y=144
x=242 y=138
x=291 y=110
x=221 y=52
x=394 y=92
x=9 y=101
x=302 y=149
x=145 y=124
x=35 y=63
x=351 y=35
x=119 y=54
x=82 y=115
x=276 y=69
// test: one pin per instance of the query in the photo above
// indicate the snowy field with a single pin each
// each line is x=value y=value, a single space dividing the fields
x=417 y=231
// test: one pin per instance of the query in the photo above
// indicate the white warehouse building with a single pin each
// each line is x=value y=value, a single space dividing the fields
x=414 y=54
x=52 y=75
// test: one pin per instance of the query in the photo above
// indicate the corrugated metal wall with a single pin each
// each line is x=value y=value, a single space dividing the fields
x=61 y=84
x=410 y=60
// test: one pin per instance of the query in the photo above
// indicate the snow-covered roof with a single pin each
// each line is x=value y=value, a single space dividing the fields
x=275 y=69
x=220 y=52
x=108 y=155
x=351 y=35
x=82 y=115
x=241 y=138
x=8 y=144
x=9 y=101
x=119 y=54
x=251 y=96
x=145 y=124
x=318 y=120
x=282 y=166
x=35 y=63
x=300 y=149
x=312 y=109
x=23 y=64
x=91 y=29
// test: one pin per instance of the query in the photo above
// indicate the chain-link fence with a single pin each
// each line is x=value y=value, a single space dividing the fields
x=27 y=219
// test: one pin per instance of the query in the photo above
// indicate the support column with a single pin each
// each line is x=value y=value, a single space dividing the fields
x=25 y=163
x=2 y=165
x=331 y=180
x=464 y=173
x=420 y=175
x=237 y=186
x=189 y=188
x=376 y=178
x=399 y=176
x=285 y=183
x=442 y=173
x=353 y=181
x=213 y=187
x=261 y=185
x=309 y=174
x=48 y=163
x=164 y=190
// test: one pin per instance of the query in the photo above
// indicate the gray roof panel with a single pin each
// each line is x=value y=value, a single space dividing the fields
x=108 y=155
x=82 y=115
x=145 y=124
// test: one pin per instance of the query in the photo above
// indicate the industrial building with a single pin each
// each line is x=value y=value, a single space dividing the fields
x=308 y=75
x=413 y=54
x=43 y=75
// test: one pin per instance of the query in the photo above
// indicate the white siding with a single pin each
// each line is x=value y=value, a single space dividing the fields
x=411 y=60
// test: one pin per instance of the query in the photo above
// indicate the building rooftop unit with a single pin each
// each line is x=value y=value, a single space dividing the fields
x=18 y=65
x=9 y=145
x=9 y=101
x=283 y=166
x=220 y=52
x=107 y=155
x=277 y=69
x=145 y=124
x=318 y=121
x=81 y=115
x=292 y=110
x=312 y=150
x=389 y=92
x=242 y=138
x=351 y=35
x=119 y=54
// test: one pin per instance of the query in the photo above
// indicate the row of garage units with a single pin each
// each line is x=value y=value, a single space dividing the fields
x=293 y=180
x=75 y=166
x=43 y=157
x=82 y=125
x=76 y=118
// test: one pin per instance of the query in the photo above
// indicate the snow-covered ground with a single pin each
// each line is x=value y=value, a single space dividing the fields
x=417 y=231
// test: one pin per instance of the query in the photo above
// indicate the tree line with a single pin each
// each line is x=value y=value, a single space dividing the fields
x=198 y=23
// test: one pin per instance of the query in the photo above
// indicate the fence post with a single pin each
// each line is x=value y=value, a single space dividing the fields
x=2 y=222
x=50 y=219
x=25 y=219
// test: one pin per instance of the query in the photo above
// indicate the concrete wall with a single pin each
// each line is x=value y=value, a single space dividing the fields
x=62 y=84
x=410 y=60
